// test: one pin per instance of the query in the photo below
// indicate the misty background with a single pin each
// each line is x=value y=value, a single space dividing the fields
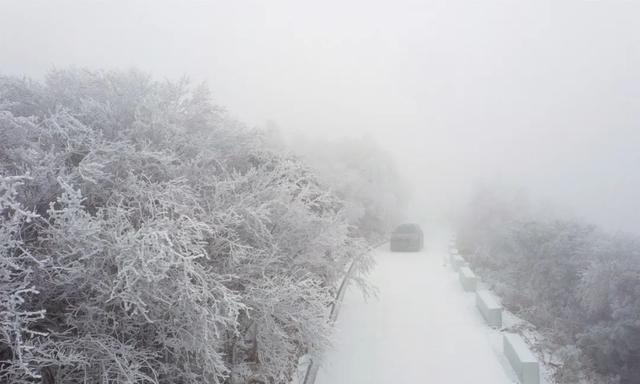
x=541 y=96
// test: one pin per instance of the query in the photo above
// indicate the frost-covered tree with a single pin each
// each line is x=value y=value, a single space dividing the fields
x=575 y=283
x=364 y=176
x=148 y=237
x=25 y=347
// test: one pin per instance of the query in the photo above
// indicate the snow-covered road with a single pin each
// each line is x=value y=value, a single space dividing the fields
x=422 y=327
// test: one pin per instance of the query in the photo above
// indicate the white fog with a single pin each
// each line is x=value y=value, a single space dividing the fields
x=540 y=95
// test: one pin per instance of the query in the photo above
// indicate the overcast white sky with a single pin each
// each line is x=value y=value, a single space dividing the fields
x=542 y=94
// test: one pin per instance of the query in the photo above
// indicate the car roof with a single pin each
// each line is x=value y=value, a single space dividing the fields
x=407 y=227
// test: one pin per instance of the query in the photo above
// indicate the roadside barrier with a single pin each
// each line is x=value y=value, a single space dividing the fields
x=468 y=279
x=458 y=262
x=490 y=308
x=522 y=360
x=314 y=366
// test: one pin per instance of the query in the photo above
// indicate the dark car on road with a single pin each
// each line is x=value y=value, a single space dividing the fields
x=407 y=238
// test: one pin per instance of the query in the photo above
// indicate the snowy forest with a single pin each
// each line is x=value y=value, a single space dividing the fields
x=328 y=192
x=148 y=237
x=577 y=284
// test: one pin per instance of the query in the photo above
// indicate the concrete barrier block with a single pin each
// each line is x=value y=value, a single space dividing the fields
x=522 y=360
x=452 y=254
x=490 y=308
x=457 y=262
x=468 y=279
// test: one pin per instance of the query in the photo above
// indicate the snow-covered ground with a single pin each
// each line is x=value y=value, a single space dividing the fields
x=422 y=327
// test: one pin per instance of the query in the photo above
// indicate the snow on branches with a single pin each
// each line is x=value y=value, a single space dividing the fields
x=146 y=237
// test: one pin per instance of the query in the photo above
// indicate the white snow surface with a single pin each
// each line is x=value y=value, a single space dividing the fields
x=421 y=328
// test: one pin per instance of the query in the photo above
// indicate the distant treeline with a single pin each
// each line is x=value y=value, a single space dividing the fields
x=579 y=286
x=145 y=236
